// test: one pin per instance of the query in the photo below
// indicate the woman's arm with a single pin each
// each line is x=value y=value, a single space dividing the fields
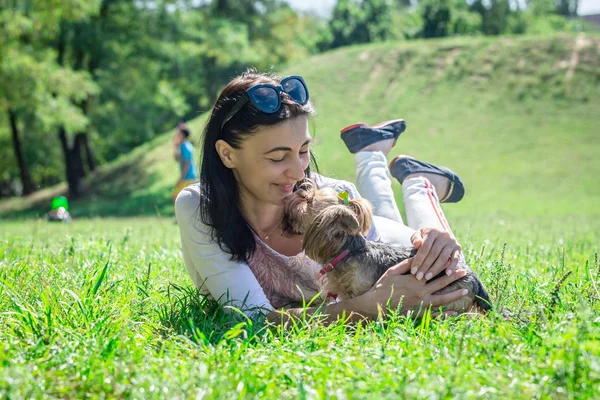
x=395 y=288
x=211 y=269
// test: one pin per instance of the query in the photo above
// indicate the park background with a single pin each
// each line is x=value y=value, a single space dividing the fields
x=506 y=93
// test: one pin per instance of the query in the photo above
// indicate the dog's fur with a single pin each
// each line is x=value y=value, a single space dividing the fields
x=330 y=227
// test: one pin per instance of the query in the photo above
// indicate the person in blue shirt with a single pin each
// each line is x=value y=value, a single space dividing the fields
x=184 y=153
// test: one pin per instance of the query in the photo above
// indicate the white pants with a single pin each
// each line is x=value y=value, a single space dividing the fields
x=421 y=202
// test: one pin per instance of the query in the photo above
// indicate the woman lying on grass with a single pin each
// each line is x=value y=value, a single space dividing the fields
x=256 y=151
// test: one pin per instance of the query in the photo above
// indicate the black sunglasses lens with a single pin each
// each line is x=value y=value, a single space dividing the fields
x=266 y=99
x=296 y=90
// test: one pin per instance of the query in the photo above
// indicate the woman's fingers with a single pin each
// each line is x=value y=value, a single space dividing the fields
x=441 y=262
x=416 y=239
x=423 y=252
x=438 y=300
x=444 y=281
x=453 y=263
x=433 y=255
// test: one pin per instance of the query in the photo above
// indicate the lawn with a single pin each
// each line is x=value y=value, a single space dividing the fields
x=104 y=308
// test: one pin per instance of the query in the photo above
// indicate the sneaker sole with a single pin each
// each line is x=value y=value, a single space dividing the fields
x=450 y=192
x=350 y=127
x=396 y=158
x=384 y=123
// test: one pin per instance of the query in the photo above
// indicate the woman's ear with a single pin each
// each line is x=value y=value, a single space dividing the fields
x=226 y=153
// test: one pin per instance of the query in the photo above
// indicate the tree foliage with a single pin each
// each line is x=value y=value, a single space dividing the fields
x=360 y=21
x=113 y=74
x=37 y=92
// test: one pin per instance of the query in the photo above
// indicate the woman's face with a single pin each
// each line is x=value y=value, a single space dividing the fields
x=270 y=162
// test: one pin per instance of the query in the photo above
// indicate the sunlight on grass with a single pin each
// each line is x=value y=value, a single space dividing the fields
x=105 y=308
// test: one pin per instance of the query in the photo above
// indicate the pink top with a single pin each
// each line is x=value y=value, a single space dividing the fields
x=285 y=279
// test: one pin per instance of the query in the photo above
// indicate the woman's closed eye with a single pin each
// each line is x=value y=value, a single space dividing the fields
x=277 y=160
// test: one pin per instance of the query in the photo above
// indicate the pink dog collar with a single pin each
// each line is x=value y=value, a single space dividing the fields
x=335 y=261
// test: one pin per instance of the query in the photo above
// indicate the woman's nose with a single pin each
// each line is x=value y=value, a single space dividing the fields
x=296 y=170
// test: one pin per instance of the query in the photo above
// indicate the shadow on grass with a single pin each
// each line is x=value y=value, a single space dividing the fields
x=120 y=190
x=195 y=315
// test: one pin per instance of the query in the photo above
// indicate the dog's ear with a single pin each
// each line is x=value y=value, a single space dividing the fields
x=329 y=231
x=296 y=208
x=364 y=213
x=339 y=218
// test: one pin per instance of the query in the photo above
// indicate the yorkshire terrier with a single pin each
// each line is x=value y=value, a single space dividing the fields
x=334 y=229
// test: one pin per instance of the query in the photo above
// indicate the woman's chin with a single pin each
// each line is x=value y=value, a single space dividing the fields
x=275 y=194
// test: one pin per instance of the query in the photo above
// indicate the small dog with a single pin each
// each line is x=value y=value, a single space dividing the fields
x=334 y=231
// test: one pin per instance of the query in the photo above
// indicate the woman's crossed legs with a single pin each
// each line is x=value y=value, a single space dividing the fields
x=424 y=215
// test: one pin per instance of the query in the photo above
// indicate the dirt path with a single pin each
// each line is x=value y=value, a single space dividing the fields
x=581 y=42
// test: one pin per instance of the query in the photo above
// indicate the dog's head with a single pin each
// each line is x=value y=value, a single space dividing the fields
x=303 y=206
x=325 y=220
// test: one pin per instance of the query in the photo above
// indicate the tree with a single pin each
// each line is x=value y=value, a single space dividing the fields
x=378 y=19
x=361 y=21
x=567 y=8
x=33 y=82
x=135 y=101
x=494 y=16
x=104 y=76
x=436 y=18
x=541 y=7
x=403 y=4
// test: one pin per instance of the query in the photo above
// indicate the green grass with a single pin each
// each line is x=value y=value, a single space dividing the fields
x=104 y=307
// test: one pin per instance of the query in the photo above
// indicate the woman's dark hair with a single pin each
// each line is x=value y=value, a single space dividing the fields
x=219 y=200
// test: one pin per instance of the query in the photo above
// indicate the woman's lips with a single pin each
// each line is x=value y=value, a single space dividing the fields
x=286 y=188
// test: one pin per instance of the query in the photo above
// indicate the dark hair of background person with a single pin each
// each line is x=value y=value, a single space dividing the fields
x=219 y=199
x=184 y=129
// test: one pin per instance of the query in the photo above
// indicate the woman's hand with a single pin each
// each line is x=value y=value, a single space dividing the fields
x=396 y=286
x=437 y=249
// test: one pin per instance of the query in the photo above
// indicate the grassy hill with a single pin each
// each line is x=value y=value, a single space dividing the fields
x=518 y=118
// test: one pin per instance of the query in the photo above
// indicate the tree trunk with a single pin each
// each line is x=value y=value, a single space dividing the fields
x=28 y=186
x=73 y=164
x=76 y=159
x=89 y=153
x=85 y=143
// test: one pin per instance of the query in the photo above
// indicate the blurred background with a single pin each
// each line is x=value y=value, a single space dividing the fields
x=506 y=92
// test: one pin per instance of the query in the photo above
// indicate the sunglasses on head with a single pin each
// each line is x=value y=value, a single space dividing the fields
x=267 y=98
